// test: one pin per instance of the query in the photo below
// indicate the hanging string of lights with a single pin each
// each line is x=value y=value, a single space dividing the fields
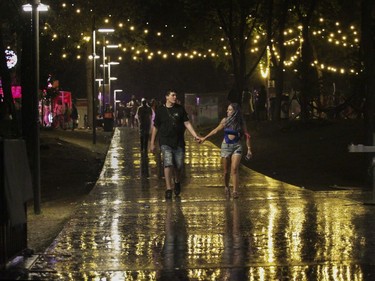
x=335 y=39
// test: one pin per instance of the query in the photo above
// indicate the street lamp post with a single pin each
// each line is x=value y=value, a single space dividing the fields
x=94 y=91
x=104 y=74
x=110 y=79
x=115 y=101
x=35 y=7
x=93 y=84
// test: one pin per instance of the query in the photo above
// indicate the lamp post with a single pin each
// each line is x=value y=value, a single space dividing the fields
x=110 y=79
x=94 y=91
x=93 y=84
x=99 y=97
x=35 y=8
x=115 y=101
x=104 y=75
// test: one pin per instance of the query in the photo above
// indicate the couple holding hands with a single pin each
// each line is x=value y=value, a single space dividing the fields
x=170 y=123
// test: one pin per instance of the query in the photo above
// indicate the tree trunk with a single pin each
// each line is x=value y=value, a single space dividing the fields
x=368 y=58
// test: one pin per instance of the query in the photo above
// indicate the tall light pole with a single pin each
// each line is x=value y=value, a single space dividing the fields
x=115 y=101
x=104 y=75
x=35 y=7
x=110 y=79
x=94 y=89
x=93 y=83
x=100 y=86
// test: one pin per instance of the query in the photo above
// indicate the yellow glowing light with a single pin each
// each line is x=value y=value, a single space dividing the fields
x=120 y=24
x=264 y=72
x=146 y=31
x=78 y=11
x=158 y=34
x=132 y=28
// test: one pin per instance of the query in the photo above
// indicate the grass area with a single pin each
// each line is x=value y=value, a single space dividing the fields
x=312 y=154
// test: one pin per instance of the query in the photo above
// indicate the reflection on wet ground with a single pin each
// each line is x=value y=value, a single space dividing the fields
x=125 y=230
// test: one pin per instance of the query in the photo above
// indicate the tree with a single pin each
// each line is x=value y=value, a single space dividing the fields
x=368 y=58
x=276 y=24
x=239 y=23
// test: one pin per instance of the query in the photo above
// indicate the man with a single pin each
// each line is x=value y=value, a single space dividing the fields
x=170 y=123
x=133 y=105
x=144 y=116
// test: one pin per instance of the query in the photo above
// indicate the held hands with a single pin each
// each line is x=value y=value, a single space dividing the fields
x=152 y=148
x=199 y=139
x=249 y=155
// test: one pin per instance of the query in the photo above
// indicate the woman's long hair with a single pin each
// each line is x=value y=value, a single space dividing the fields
x=235 y=121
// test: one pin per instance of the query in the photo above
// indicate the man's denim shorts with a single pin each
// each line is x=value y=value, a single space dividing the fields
x=172 y=156
x=228 y=149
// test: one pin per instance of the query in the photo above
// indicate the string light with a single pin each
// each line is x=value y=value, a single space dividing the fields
x=339 y=38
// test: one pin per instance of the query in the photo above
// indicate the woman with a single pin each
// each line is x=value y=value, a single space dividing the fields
x=231 y=148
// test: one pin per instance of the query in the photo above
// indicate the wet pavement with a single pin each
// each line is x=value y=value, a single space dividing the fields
x=126 y=230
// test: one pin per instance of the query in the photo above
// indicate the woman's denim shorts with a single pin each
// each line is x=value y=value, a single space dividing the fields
x=228 y=149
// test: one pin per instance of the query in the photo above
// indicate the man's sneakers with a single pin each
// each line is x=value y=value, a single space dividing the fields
x=177 y=191
x=168 y=194
x=177 y=188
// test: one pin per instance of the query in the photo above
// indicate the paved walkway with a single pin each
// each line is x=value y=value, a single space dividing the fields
x=125 y=230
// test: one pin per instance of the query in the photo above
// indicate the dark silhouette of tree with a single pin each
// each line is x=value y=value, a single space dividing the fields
x=368 y=59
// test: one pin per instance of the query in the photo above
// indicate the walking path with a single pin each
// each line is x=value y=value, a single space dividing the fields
x=125 y=230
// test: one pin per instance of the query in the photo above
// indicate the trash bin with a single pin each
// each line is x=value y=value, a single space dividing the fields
x=108 y=122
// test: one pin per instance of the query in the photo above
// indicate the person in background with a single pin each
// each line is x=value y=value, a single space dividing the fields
x=120 y=115
x=133 y=105
x=67 y=112
x=171 y=121
x=74 y=116
x=234 y=127
x=144 y=116
x=261 y=113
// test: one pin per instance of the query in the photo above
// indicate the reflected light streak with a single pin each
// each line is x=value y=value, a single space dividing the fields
x=271 y=232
